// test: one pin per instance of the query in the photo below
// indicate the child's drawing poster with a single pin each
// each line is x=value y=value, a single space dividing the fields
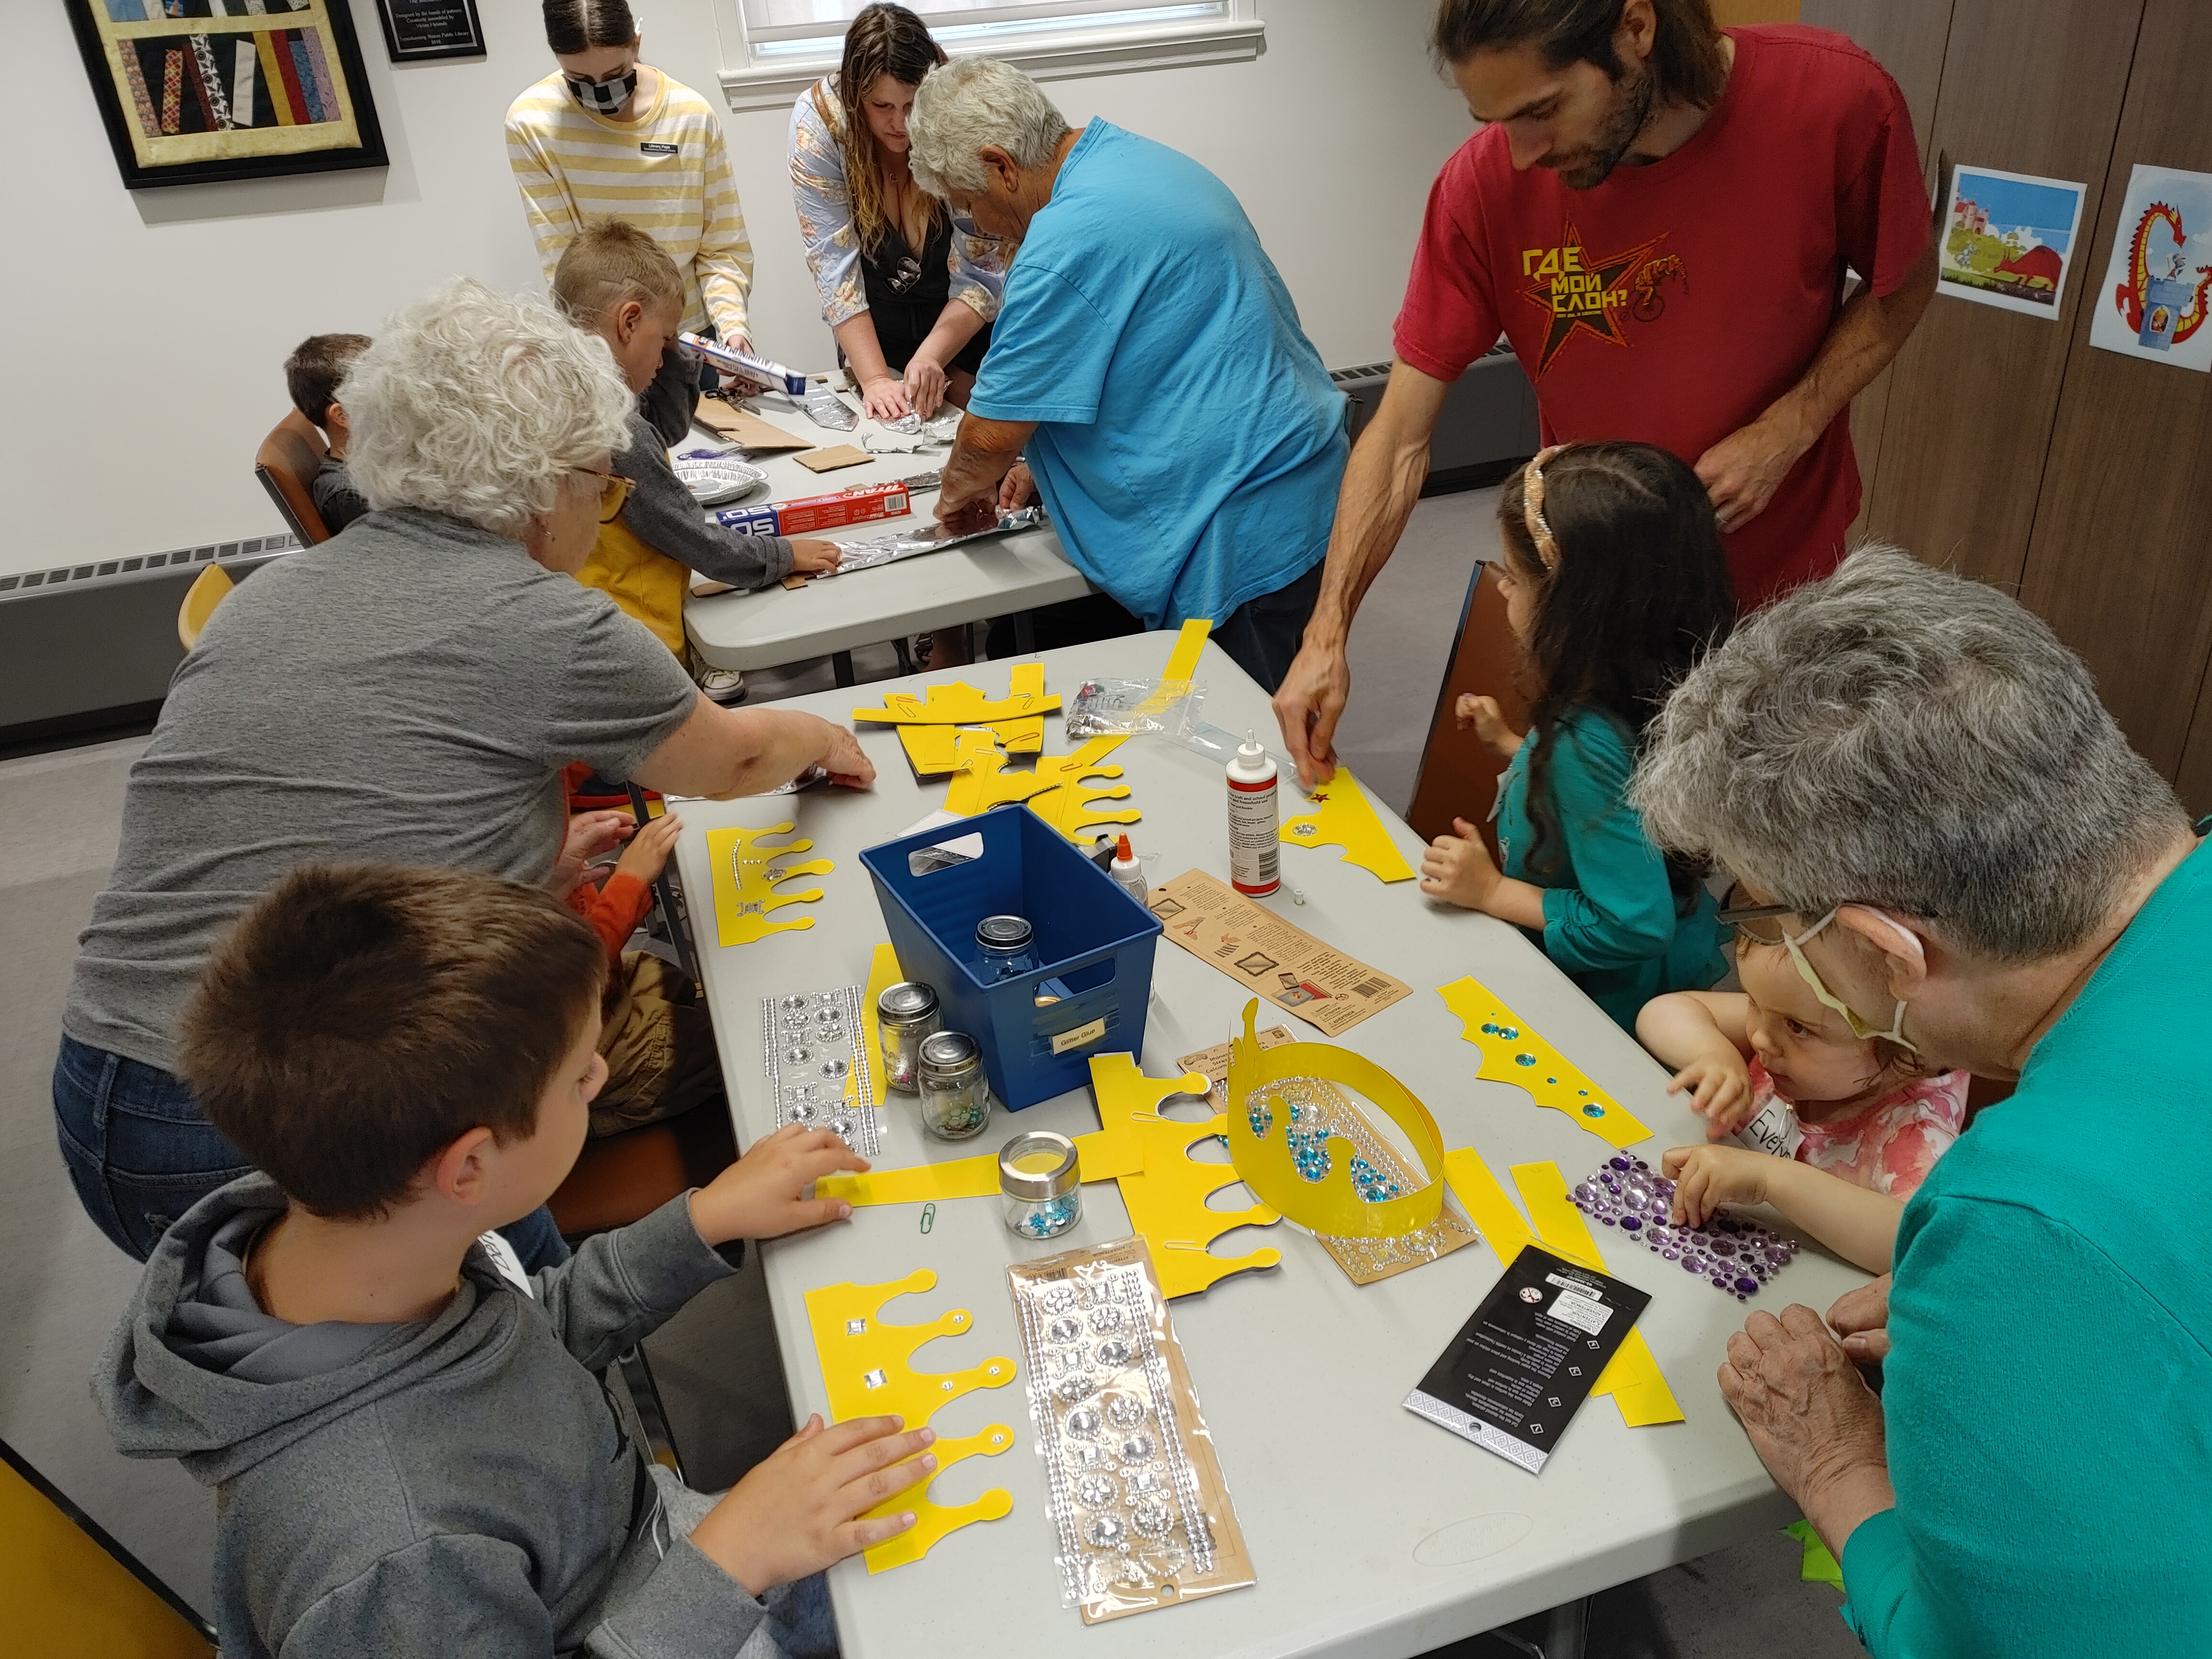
x=2007 y=240
x=2154 y=298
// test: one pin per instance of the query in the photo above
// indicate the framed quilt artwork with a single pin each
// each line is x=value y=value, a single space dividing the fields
x=194 y=91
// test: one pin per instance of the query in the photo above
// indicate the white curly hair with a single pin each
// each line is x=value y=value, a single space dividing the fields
x=473 y=403
x=966 y=104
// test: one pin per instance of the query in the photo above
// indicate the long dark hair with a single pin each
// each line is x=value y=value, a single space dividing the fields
x=1639 y=592
x=884 y=40
x=573 y=26
x=1685 y=50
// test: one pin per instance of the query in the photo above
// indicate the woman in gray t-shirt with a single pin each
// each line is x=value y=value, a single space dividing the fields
x=408 y=692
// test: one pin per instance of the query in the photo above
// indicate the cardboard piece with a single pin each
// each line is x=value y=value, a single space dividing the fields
x=745 y=877
x=1260 y=950
x=828 y=460
x=1513 y=1052
x=1338 y=814
x=746 y=429
x=866 y=1372
x=1167 y=1203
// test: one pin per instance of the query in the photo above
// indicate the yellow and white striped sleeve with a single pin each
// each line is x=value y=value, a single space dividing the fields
x=545 y=199
x=725 y=260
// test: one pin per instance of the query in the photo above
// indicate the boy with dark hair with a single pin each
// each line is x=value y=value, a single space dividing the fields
x=614 y=281
x=312 y=374
x=412 y=1447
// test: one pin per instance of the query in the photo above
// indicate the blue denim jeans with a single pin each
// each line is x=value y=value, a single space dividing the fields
x=1263 y=635
x=140 y=1154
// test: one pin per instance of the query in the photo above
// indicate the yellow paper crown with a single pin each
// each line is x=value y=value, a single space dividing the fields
x=1264 y=1160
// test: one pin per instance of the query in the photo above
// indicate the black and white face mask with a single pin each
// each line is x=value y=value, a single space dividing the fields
x=603 y=97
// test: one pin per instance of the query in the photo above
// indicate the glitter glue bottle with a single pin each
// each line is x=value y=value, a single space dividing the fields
x=1255 y=852
x=1128 y=875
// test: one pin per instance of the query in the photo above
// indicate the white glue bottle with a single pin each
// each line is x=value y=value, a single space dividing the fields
x=1254 y=851
x=1127 y=873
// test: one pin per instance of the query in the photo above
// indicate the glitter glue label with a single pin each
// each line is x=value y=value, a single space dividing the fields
x=1255 y=843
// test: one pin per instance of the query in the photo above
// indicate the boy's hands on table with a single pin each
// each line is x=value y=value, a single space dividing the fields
x=646 y=855
x=589 y=834
x=797 y=1512
x=763 y=1194
x=812 y=557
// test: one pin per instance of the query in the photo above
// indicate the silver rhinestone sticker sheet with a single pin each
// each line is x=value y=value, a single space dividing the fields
x=1135 y=1493
x=819 y=1070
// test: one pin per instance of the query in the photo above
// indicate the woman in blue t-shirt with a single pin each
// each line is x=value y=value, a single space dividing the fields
x=1614 y=584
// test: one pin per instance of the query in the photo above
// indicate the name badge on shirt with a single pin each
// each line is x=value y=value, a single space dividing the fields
x=658 y=149
x=1775 y=1131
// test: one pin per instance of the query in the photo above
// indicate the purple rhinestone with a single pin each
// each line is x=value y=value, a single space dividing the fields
x=1690 y=1265
x=1629 y=1223
x=1719 y=1284
x=1724 y=1247
x=1747 y=1286
x=1606 y=1219
x=1616 y=1163
x=1671 y=1254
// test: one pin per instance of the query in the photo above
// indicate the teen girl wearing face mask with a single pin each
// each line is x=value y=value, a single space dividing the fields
x=584 y=140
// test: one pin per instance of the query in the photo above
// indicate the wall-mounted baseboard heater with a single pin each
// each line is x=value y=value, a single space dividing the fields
x=1488 y=426
x=85 y=645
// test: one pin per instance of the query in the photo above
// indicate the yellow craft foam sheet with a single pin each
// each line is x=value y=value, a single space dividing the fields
x=751 y=866
x=867 y=1371
x=1339 y=814
x=1513 y=1052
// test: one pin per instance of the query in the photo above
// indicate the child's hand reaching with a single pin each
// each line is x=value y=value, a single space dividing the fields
x=811 y=558
x=1706 y=1177
x=1720 y=1090
x=646 y=855
x=1482 y=713
x=590 y=834
x=762 y=1195
x=1459 y=868
x=798 y=1511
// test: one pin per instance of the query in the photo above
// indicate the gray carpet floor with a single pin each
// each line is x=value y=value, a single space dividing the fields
x=716 y=1362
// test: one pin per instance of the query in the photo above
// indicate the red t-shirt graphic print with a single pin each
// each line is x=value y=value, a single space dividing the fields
x=1675 y=302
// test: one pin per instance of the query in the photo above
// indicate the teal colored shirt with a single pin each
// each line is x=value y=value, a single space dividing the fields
x=1609 y=918
x=2049 y=1391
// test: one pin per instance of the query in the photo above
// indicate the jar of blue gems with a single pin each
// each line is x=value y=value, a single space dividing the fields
x=1041 y=1177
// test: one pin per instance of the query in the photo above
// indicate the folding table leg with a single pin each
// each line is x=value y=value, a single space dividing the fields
x=905 y=656
x=1024 y=633
x=841 y=665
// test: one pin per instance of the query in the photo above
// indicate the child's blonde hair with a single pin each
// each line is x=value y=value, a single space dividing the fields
x=610 y=263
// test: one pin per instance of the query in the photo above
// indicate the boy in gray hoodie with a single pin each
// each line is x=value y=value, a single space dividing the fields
x=412 y=1446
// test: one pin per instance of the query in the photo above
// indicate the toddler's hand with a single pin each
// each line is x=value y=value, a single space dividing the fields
x=589 y=834
x=811 y=558
x=1706 y=1177
x=646 y=855
x=1490 y=726
x=760 y=1195
x=1459 y=869
x=1720 y=1090
x=796 y=1512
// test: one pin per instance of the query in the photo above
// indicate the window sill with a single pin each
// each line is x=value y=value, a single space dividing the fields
x=1229 y=40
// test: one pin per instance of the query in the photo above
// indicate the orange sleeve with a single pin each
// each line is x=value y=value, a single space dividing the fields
x=613 y=911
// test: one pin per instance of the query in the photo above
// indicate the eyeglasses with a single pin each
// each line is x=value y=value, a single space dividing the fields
x=614 y=491
x=1761 y=924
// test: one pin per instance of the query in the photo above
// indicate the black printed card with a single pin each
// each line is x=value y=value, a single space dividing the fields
x=1520 y=1369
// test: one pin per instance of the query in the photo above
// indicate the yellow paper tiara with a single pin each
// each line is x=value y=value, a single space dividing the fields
x=1261 y=1130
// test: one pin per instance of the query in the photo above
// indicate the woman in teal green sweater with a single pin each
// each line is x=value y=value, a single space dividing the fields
x=1614 y=584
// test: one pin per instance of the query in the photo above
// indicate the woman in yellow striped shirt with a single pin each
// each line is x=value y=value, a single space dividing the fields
x=608 y=136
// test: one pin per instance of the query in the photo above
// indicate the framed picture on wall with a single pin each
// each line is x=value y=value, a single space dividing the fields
x=195 y=91
x=416 y=31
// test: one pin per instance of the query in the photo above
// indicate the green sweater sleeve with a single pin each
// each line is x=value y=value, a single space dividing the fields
x=1619 y=911
x=2047 y=1496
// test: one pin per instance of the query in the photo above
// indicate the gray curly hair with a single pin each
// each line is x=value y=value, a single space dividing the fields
x=1902 y=737
x=962 y=106
x=473 y=403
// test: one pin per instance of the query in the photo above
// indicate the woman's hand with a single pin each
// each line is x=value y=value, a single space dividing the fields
x=1860 y=1317
x=811 y=558
x=1812 y=1419
x=1459 y=868
x=842 y=759
x=589 y=834
x=923 y=384
x=885 y=400
x=1018 y=488
x=1706 y=1177
x=763 y=1194
x=1720 y=1090
x=1490 y=726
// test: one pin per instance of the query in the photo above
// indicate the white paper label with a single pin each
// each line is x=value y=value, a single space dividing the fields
x=1581 y=1312
x=1080 y=1036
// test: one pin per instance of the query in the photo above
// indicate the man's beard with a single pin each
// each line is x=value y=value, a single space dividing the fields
x=1634 y=95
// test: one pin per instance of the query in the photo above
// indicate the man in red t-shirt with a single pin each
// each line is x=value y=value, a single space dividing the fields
x=1658 y=215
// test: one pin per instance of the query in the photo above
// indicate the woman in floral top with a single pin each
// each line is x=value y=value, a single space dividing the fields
x=908 y=289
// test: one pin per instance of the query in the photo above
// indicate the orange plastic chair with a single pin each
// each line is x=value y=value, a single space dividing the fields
x=285 y=462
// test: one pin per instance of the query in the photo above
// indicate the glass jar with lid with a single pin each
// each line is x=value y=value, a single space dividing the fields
x=1007 y=948
x=956 y=1098
x=906 y=1014
x=1041 y=1177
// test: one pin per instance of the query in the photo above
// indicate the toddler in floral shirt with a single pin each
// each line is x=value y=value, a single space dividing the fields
x=1834 y=1130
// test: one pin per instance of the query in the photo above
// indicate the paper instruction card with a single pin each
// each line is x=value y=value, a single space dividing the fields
x=1260 y=950
x=1521 y=1367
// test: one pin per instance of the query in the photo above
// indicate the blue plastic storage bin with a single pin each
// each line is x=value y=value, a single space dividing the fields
x=1090 y=936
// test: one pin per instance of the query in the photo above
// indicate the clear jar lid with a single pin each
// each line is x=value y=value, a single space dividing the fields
x=1039 y=1165
x=949 y=1054
x=907 y=1003
x=1004 y=934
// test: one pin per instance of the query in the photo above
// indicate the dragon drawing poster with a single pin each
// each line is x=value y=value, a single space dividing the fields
x=2159 y=281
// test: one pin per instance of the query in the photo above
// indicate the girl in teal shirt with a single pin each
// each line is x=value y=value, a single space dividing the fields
x=1614 y=584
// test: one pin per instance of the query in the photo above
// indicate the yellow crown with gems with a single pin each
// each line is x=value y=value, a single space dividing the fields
x=1260 y=1147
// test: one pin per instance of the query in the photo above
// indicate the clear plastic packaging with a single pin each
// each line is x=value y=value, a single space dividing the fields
x=1137 y=1500
x=1130 y=709
x=931 y=539
x=816 y=1058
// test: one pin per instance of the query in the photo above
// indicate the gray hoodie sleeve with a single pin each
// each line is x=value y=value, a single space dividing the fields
x=666 y=516
x=688 y=1607
x=670 y=401
x=621 y=1287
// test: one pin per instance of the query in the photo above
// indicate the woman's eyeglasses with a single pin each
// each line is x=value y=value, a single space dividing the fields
x=1760 y=923
x=614 y=491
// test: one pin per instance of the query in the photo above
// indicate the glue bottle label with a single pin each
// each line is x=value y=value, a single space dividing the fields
x=1254 y=851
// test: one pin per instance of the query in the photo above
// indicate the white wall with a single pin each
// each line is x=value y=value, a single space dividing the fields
x=144 y=330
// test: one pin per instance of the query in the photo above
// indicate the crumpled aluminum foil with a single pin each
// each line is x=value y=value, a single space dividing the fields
x=913 y=544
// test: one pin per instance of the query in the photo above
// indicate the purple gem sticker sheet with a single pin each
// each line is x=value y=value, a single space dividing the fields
x=1737 y=1256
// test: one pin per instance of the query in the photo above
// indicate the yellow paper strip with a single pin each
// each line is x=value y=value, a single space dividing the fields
x=1513 y=1052
x=1339 y=814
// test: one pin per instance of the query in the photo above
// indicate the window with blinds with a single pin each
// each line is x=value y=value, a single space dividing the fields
x=779 y=33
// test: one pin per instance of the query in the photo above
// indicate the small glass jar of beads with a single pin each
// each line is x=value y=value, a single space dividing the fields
x=1041 y=1177
x=956 y=1097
